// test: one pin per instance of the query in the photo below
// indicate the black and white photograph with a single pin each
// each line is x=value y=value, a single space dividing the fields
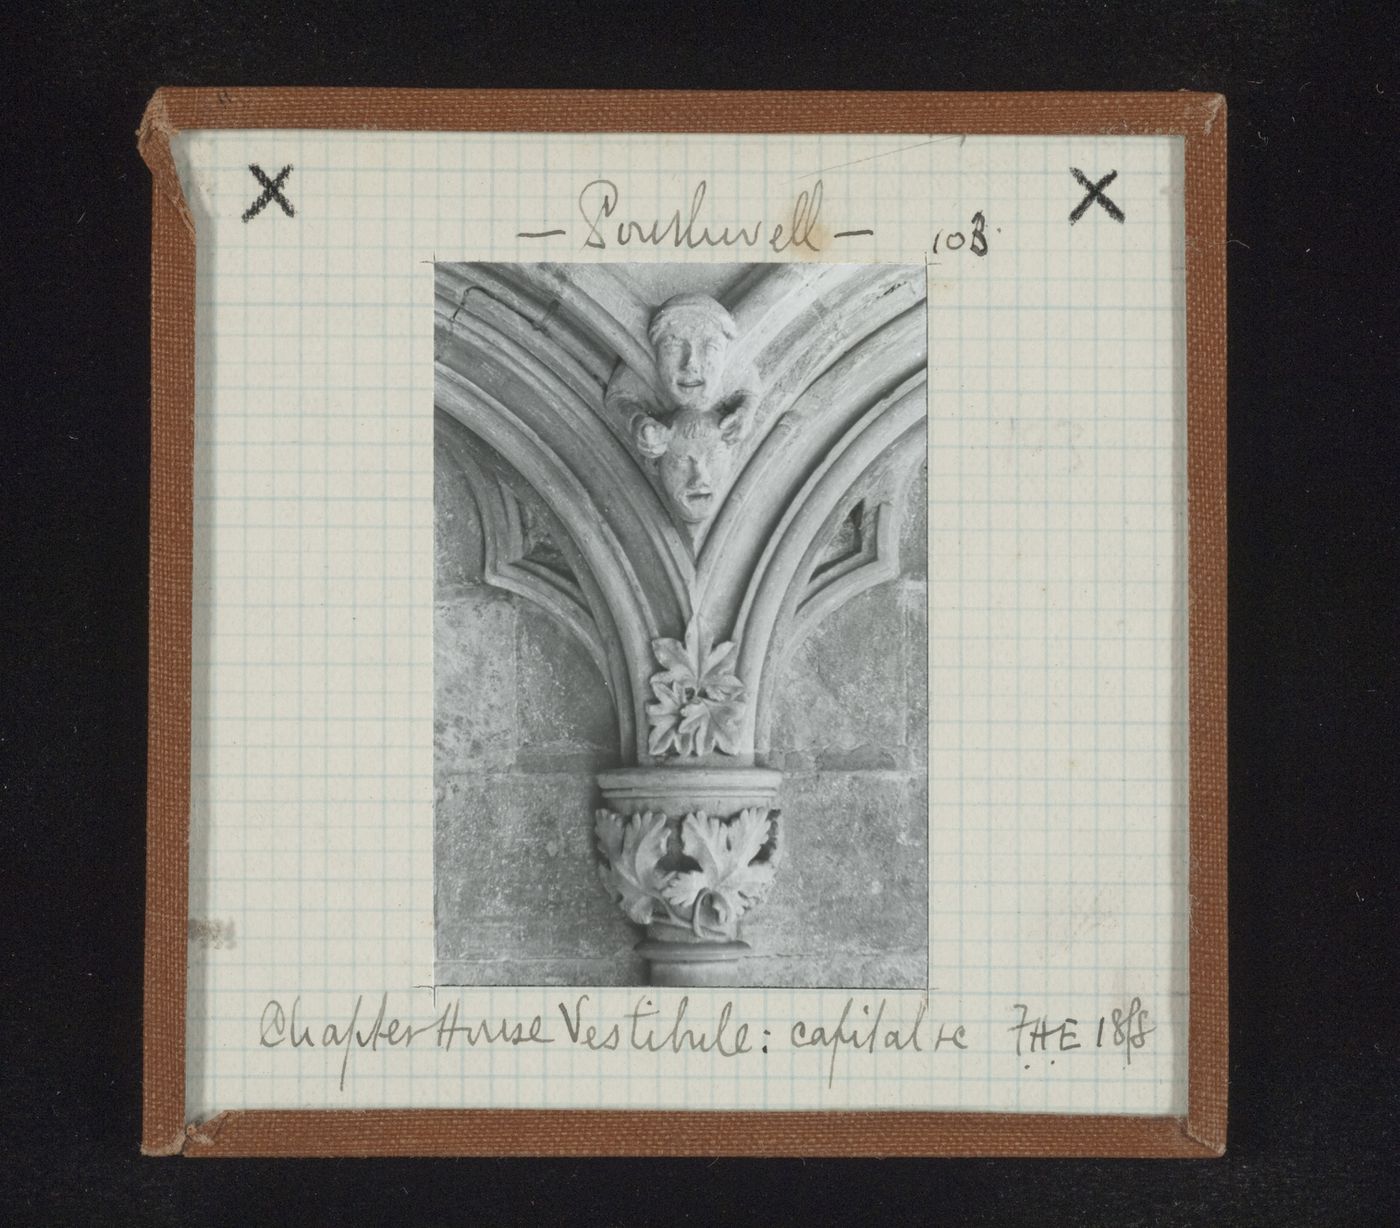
x=680 y=625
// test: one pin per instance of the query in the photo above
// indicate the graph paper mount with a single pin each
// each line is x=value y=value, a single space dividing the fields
x=1197 y=119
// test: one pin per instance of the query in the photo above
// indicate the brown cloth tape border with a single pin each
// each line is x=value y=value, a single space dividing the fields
x=1199 y=118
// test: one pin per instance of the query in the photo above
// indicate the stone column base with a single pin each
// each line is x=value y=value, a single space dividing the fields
x=693 y=964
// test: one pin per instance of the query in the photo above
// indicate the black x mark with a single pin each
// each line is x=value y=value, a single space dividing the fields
x=272 y=190
x=1095 y=194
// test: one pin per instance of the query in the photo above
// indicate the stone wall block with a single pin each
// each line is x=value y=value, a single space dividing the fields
x=914 y=606
x=474 y=716
x=861 y=970
x=565 y=714
x=853 y=878
x=840 y=696
x=517 y=873
x=624 y=968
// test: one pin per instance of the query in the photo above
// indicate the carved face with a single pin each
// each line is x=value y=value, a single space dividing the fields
x=696 y=466
x=690 y=356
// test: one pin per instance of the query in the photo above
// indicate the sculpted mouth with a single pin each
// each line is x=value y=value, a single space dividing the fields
x=697 y=496
x=690 y=383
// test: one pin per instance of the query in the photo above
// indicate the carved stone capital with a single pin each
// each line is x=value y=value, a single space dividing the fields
x=723 y=867
x=689 y=879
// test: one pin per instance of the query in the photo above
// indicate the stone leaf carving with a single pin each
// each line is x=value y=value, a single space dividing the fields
x=734 y=862
x=699 y=702
x=730 y=879
x=632 y=850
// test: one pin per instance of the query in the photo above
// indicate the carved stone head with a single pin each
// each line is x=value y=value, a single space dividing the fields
x=690 y=336
x=696 y=451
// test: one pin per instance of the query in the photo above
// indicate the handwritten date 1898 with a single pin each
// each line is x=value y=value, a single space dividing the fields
x=1126 y=1028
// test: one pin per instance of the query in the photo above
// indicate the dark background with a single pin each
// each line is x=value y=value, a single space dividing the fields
x=1312 y=93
